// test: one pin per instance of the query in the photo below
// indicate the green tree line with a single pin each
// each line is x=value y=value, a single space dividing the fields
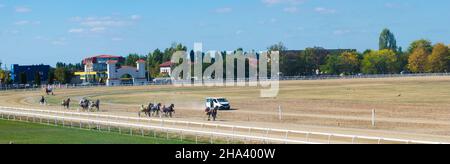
x=421 y=57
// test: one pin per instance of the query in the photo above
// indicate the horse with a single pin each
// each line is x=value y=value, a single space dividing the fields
x=168 y=111
x=156 y=109
x=43 y=101
x=84 y=104
x=95 y=105
x=49 y=90
x=145 y=110
x=66 y=103
x=211 y=113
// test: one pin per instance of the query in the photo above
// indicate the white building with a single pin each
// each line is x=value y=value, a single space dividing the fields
x=166 y=68
x=125 y=74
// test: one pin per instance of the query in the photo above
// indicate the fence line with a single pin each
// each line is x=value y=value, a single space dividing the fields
x=234 y=128
x=140 y=126
x=206 y=81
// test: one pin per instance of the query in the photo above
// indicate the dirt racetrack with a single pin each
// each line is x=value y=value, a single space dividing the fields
x=407 y=108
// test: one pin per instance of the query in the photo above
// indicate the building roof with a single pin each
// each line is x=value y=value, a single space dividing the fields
x=94 y=58
x=111 y=62
x=166 y=64
x=141 y=61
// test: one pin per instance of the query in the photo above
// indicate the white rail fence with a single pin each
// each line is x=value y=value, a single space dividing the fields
x=27 y=87
x=210 y=129
x=181 y=131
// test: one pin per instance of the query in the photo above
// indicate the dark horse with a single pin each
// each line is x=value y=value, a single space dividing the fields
x=211 y=113
x=48 y=91
x=95 y=105
x=156 y=109
x=168 y=111
x=66 y=103
x=43 y=101
x=84 y=104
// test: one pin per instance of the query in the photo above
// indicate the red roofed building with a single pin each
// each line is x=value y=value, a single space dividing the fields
x=109 y=69
x=98 y=63
x=95 y=67
x=166 y=68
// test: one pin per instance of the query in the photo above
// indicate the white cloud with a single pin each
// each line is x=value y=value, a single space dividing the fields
x=26 y=22
x=98 y=29
x=239 y=32
x=224 y=10
x=271 y=2
x=59 y=42
x=116 y=39
x=76 y=30
x=135 y=17
x=276 y=2
x=101 y=25
x=292 y=9
x=341 y=32
x=12 y=32
x=323 y=10
x=273 y=20
x=289 y=6
x=23 y=9
x=100 y=21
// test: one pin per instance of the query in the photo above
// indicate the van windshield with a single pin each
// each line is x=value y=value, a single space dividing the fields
x=222 y=100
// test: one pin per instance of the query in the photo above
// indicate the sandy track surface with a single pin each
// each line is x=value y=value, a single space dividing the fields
x=407 y=108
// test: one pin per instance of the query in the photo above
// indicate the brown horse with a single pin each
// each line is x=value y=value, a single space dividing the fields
x=66 y=103
x=211 y=113
x=145 y=110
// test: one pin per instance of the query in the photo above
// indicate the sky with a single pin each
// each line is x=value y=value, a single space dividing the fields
x=48 y=31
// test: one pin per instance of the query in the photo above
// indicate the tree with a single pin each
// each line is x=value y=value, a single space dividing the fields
x=345 y=63
x=349 y=63
x=51 y=76
x=61 y=75
x=154 y=60
x=131 y=59
x=3 y=77
x=418 y=60
x=312 y=59
x=23 y=78
x=380 y=62
x=387 y=40
x=37 y=78
x=438 y=61
x=422 y=43
x=332 y=65
x=168 y=52
x=277 y=47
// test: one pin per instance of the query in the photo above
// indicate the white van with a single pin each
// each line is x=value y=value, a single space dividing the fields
x=221 y=103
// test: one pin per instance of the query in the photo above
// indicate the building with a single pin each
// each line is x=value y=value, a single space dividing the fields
x=96 y=67
x=28 y=73
x=166 y=68
x=109 y=69
x=125 y=75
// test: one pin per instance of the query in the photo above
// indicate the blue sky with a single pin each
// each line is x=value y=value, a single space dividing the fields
x=47 y=31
